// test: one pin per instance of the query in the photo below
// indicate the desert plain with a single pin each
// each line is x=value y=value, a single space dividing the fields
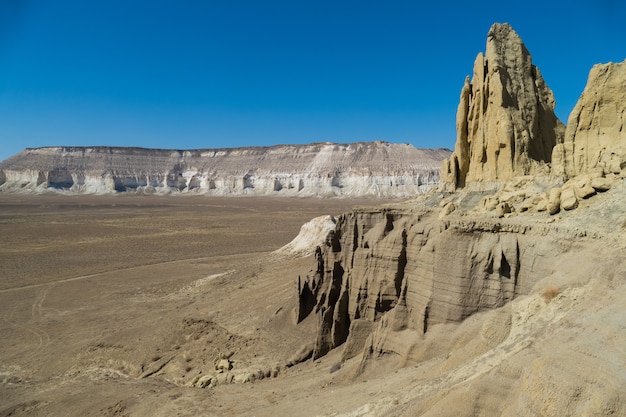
x=112 y=305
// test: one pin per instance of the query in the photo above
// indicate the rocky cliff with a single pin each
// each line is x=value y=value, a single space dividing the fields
x=326 y=169
x=506 y=124
x=518 y=315
x=460 y=284
x=415 y=271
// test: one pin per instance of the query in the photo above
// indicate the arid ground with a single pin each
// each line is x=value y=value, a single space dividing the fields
x=124 y=305
x=112 y=305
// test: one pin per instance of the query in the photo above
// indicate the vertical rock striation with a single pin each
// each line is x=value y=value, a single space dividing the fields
x=506 y=125
x=407 y=271
x=318 y=169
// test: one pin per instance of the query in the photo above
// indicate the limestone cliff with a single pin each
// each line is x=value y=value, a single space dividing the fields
x=326 y=169
x=506 y=124
x=595 y=138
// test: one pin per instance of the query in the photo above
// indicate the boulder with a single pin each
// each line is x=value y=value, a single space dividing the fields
x=554 y=201
x=601 y=184
x=223 y=365
x=502 y=209
x=584 y=190
x=490 y=202
x=222 y=378
x=531 y=203
x=568 y=198
x=542 y=205
x=447 y=210
x=204 y=381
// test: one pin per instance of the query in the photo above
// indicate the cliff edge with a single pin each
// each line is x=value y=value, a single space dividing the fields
x=322 y=169
x=483 y=284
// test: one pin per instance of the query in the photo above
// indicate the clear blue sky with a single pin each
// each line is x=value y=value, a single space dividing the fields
x=188 y=74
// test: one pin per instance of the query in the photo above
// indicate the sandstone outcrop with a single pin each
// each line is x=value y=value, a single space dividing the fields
x=470 y=300
x=595 y=137
x=321 y=169
x=386 y=277
x=592 y=157
x=510 y=143
x=409 y=271
x=506 y=124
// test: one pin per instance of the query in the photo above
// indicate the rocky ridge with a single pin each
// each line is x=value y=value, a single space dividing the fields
x=321 y=169
x=496 y=244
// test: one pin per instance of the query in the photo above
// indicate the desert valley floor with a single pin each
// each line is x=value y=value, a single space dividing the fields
x=110 y=305
x=129 y=305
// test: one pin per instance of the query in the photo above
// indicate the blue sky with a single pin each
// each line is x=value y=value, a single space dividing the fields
x=188 y=74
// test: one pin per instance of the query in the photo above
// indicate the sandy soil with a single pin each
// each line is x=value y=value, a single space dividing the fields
x=113 y=305
x=119 y=305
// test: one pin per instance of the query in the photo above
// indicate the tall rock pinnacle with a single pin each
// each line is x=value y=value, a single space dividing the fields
x=505 y=123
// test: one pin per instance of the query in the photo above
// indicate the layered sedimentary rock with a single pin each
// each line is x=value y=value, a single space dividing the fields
x=506 y=125
x=475 y=306
x=480 y=290
x=407 y=271
x=595 y=138
x=327 y=169
x=385 y=277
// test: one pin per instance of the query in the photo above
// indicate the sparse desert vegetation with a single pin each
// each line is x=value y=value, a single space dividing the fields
x=550 y=292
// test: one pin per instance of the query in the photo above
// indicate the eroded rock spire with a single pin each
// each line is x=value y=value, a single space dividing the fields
x=506 y=125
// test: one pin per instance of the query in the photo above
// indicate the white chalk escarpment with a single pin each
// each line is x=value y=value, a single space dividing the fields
x=321 y=169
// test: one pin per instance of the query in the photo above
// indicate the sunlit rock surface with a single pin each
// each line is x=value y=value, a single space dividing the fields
x=321 y=169
x=506 y=125
x=595 y=139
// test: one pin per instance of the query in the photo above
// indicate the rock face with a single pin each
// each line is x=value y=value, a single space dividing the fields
x=326 y=169
x=479 y=304
x=398 y=282
x=596 y=131
x=592 y=157
x=506 y=124
x=408 y=271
